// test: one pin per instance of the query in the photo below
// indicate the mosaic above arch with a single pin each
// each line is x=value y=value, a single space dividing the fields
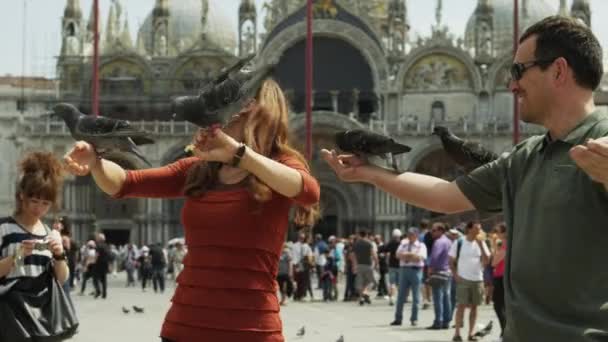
x=438 y=72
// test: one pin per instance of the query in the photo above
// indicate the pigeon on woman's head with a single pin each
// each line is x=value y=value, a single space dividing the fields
x=225 y=95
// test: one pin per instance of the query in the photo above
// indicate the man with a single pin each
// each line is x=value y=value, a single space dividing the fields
x=393 y=263
x=427 y=238
x=130 y=261
x=454 y=235
x=158 y=259
x=364 y=257
x=412 y=254
x=302 y=261
x=382 y=266
x=319 y=250
x=546 y=187
x=440 y=277
x=101 y=266
x=467 y=260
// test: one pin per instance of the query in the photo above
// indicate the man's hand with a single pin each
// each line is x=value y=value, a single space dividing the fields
x=348 y=167
x=592 y=157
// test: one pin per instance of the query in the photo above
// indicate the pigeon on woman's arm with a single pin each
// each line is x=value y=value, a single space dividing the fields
x=105 y=134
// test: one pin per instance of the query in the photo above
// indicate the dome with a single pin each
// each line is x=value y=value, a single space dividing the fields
x=503 y=22
x=185 y=25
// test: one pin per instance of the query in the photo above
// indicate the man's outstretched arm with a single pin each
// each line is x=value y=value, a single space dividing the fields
x=423 y=191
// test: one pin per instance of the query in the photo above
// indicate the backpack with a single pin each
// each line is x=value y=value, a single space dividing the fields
x=460 y=241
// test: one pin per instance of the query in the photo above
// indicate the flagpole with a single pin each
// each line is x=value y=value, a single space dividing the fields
x=515 y=46
x=309 y=80
x=95 y=90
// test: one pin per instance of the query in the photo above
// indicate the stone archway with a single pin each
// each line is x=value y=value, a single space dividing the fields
x=375 y=57
x=172 y=208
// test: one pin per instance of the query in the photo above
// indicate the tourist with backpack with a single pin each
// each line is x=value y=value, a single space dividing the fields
x=468 y=258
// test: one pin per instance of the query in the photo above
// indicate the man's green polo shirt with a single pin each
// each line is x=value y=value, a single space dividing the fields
x=556 y=275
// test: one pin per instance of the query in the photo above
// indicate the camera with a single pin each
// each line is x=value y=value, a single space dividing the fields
x=41 y=246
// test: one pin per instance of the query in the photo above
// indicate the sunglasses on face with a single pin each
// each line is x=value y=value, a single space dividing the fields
x=518 y=69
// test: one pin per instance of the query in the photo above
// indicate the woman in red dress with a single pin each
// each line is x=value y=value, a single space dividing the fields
x=235 y=219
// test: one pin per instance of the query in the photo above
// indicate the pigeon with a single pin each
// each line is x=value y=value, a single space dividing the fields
x=223 y=97
x=485 y=331
x=340 y=339
x=105 y=134
x=469 y=155
x=138 y=309
x=365 y=143
x=125 y=310
x=301 y=332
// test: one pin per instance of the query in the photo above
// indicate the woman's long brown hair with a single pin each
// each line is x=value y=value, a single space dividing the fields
x=266 y=132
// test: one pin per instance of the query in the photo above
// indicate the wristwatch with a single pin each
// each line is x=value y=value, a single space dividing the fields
x=238 y=155
x=60 y=257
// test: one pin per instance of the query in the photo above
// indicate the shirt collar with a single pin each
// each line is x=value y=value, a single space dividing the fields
x=578 y=133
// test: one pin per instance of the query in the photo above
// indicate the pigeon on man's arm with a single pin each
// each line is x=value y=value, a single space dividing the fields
x=468 y=154
x=366 y=144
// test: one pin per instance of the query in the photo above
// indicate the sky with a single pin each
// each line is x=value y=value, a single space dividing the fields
x=43 y=26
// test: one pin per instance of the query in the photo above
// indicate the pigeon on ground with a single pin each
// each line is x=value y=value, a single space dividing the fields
x=125 y=310
x=365 y=143
x=340 y=339
x=223 y=97
x=301 y=332
x=469 y=155
x=138 y=309
x=105 y=134
x=485 y=331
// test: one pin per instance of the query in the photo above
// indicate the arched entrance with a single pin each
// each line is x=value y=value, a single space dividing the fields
x=172 y=208
x=335 y=89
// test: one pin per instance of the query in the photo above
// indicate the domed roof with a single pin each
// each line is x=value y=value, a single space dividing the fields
x=503 y=22
x=185 y=25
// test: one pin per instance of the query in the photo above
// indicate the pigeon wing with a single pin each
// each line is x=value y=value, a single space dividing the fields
x=478 y=153
x=100 y=126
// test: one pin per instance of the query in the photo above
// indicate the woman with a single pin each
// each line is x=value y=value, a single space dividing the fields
x=499 y=248
x=235 y=219
x=33 y=262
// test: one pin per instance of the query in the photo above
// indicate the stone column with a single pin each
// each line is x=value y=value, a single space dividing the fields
x=334 y=100
x=356 y=102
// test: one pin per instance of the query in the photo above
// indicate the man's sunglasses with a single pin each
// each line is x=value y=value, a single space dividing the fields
x=518 y=69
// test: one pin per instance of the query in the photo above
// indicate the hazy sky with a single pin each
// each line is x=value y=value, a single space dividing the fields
x=43 y=29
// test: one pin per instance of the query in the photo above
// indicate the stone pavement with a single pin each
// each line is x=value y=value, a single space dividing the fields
x=103 y=320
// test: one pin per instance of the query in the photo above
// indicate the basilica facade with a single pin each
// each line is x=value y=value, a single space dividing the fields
x=370 y=72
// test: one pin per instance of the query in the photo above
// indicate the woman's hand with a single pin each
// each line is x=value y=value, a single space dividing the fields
x=27 y=248
x=214 y=145
x=80 y=159
x=55 y=243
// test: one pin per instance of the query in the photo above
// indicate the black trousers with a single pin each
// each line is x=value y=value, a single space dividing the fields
x=100 y=278
x=498 y=297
